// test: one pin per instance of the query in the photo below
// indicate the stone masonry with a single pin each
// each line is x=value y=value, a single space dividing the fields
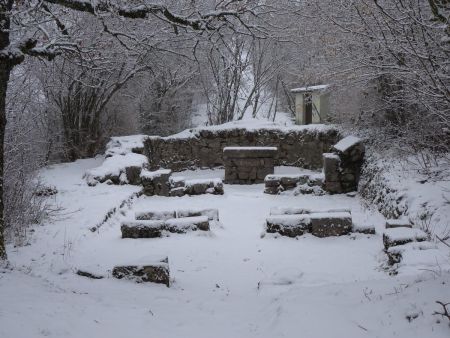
x=300 y=146
x=342 y=167
x=248 y=165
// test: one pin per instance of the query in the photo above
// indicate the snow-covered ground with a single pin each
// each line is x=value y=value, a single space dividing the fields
x=232 y=282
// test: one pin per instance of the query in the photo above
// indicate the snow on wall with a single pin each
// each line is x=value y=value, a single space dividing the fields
x=300 y=146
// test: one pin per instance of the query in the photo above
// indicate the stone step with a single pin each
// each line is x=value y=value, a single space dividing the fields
x=155 y=215
x=396 y=253
x=288 y=225
x=319 y=224
x=398 y=223
x=155 y=228
x=326 y=224
x=398 y=236
x=157 y=272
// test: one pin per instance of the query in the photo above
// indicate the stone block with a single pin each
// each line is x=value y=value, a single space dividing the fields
x=154 y=273
x=133 y=174
x=177 y=192
x=330 y=224
x=399 y=236
x=288 y=225
x=142 y=229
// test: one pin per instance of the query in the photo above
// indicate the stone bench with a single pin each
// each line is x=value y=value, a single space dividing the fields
x=294 y=222
x=157 y=272
x=156 y=228
x=248 y=165
x=153 y=223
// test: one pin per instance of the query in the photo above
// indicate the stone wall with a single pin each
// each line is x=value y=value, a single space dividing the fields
x=300 y=146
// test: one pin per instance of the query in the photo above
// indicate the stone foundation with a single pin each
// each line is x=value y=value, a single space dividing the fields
x=300 y=146
x=248 y=165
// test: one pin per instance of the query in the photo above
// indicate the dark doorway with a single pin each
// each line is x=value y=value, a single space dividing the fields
x=308 y=108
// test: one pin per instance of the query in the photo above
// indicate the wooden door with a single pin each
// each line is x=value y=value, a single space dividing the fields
x=308 y=108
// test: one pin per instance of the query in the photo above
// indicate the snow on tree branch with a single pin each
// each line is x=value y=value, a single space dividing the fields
x=201 y=23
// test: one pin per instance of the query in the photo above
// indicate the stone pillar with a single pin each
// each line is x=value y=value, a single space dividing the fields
x=342 y=167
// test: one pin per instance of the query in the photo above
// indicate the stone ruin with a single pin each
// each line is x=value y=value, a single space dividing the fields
x=249 y=156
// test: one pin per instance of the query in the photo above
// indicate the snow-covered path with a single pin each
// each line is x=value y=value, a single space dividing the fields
x=233 y=282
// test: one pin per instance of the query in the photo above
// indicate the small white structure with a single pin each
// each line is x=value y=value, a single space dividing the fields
x=312 y=104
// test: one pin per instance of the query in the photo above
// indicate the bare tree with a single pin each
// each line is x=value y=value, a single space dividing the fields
x=40 y=30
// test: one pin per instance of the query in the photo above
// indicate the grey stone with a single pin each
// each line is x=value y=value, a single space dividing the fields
x=330 y=224
x=177 y=192
x=288 y=225
x=154 y=215
x=142 y=229
x=399 y=236
x=133 y=175
x=154 y=273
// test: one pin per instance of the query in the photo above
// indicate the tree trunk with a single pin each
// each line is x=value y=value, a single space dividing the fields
x=6 y=65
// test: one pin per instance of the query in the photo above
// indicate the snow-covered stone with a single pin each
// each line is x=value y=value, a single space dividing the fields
x=155 y=215
x=142 y=229
x=289 y=211
x=157 y=272
x=306 y=183
x=399 y=236
x=398 y=223
x=346 y=143
x=204 y=186
x=184 y=224
x=118 y=169
x=288 y=225
x=326 y=224
x=122 y=145
x=396 y=253
x=156 y=182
